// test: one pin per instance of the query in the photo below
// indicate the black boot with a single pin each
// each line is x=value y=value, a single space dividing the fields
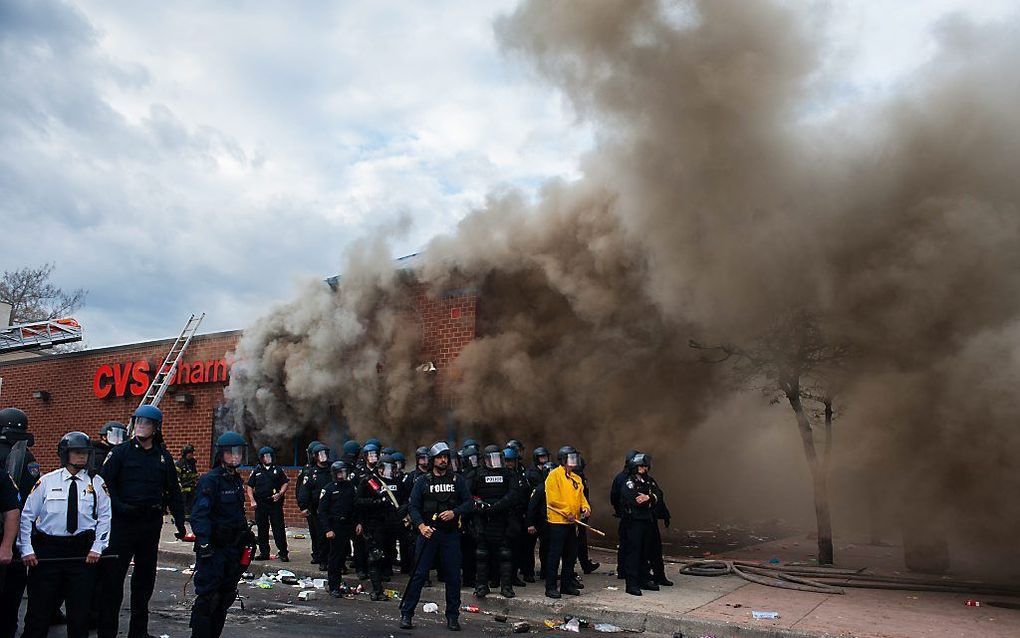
x=405 y=621
x=552 y=593
x=482 y=576
x=590 y=567
x=506 y=576
x=662 y=580
x=376 y=578
x=453 y=624
x=283 y=557
x=633 y=589
x=650 y=586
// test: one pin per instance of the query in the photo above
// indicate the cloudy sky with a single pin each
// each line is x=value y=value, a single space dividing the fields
x=206 y=156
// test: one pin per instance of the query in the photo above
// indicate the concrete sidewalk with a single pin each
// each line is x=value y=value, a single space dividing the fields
x=717 y=606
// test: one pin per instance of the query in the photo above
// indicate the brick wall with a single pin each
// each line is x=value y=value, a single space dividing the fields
x=446 y=321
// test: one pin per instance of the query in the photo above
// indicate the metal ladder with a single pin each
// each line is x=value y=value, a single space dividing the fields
x=166 y=371
x=39 y=334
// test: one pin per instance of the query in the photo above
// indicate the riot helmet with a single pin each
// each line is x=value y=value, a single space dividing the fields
x=568 y=456
x=493 y=458
x=75 y=442
x=231 y=450
x=115 y=433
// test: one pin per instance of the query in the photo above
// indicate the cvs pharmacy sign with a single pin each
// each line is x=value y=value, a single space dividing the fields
x=134 y=377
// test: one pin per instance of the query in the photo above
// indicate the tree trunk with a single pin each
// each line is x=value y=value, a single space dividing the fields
x=818 y=476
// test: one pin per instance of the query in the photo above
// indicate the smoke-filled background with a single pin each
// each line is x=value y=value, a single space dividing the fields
x=723 y=194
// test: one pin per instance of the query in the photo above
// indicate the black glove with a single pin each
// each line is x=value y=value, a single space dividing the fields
x=204 y=551
x=666 y=521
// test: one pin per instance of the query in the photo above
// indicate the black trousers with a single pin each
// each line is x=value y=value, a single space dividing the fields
x=12 y=588
x=562 y=554
x=634 y=550
x=653 y=552
x=467 y=552
x=339 y=546
x=68 y=582
x=130 y=538
x=582 y=547
x=320 y=550
x=524 y=553
x=360 y=555
x=379 y=538
x=269 y=514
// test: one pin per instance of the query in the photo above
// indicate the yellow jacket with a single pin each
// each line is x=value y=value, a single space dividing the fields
x=564 y=494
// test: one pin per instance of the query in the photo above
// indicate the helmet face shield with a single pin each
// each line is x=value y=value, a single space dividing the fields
x=267 y=459
x=387 y=470
x=494 y=460
x=144 y=427
x=322 y=456
x=115 y=436
x=233 y=455
x=372 y=456
x=573 y=459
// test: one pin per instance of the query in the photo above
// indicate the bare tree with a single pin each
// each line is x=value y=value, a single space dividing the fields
x=793 y=361
x=34 y=298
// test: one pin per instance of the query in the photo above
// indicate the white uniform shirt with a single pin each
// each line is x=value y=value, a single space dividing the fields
x=46 y=506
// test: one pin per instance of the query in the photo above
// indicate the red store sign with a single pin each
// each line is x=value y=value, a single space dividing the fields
x=134 y=377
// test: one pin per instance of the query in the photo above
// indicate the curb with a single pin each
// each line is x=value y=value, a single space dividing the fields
x=536 y=611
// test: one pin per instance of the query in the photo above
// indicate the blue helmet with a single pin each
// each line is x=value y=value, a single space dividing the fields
x=352 y=448
x=148 y=412
x=266 y=450
x=376 y=442
x=469 y=443
x=388 y=450
x=370 y=447
x=229 y=439
x=510 y=454
x=399 y=459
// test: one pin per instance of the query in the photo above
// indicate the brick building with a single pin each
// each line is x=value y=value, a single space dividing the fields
x=83 y=390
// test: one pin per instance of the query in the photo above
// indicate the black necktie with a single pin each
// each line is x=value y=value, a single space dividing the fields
x=72 y=506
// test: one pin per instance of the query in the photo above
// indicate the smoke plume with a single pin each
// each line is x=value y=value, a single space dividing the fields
x=718 y=197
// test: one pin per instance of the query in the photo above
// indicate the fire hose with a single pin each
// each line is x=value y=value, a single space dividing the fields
x=829 y=580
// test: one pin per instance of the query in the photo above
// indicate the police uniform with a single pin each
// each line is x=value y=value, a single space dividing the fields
x=141 y=482
x=337 y=514
x=308 y=499
x=15 y=575
x=221 y=534
x=660 y=511
x=468 y=545
x=496 y=490
x=10 y=500
x=65 y=516
x=536 y=518
x=614 y=500
x=266 y=481
x=638 y=520
x=100 y=450
x=381 y=524
x=431 y=496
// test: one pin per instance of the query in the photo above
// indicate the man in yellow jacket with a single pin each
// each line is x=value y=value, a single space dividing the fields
x=565 y=504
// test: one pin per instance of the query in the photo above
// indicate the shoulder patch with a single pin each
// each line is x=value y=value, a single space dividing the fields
x=630 y=484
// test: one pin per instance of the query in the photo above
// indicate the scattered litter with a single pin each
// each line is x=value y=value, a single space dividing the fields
x=283 y=573
x=319 y=583
x=606 y=628
x=499 y=618
x=973 y=603
x=912 y=597
x=306 y=583
x=551 y=624
x=430 y=608
x=573 y=625
x=187 y=572
x=307 y=594
x=774 y=561
x=734 y=605
x=473 y=609
x=765 y=615
x=611 y=588
x=391 y=594
x=164 y=636
x=264 y=582
x=520 y=628
x=290 y=580
x=166 y=569
x=299 y=536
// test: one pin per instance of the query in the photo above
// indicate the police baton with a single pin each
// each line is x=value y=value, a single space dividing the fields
x=586 y=525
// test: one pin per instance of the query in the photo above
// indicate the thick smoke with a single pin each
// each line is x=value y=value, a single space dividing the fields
x=720 y=195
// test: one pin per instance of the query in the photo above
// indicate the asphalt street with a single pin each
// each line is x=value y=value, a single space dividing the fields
x=277 y=613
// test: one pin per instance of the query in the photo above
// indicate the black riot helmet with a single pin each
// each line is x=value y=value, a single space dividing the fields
x=627 y=457
x=515 y=444
x=492 y=456
x=538 y=454
x=469 y=456
x=421 y=453
x=74 y=441
x=14 y=426
x=115 y=432
x=440 y=448
x=568 y=455
x=339 y=470
x=638 y=460
x=387 y=467
x=310 y=451
x=320 y=453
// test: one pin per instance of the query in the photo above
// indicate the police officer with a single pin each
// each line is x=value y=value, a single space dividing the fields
x=534 y=477
x=468 y=457
x=308 y=501
x=187 y=474
x=267 y=487
x=407 y=534
x=15 y=439
x=10 y=513
x=142 y=481
x=437 y=502
x=67 y=516
x=421 y=463
x=221 y=536
x=583 y=558
x=656 y=566
x=565 y=504
x=495 y=489
x=351 y=451
x=299 y=491
x=380 y=520
x=337 y=516
x=112 y=434
x=636 y=504
x=614 y=500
